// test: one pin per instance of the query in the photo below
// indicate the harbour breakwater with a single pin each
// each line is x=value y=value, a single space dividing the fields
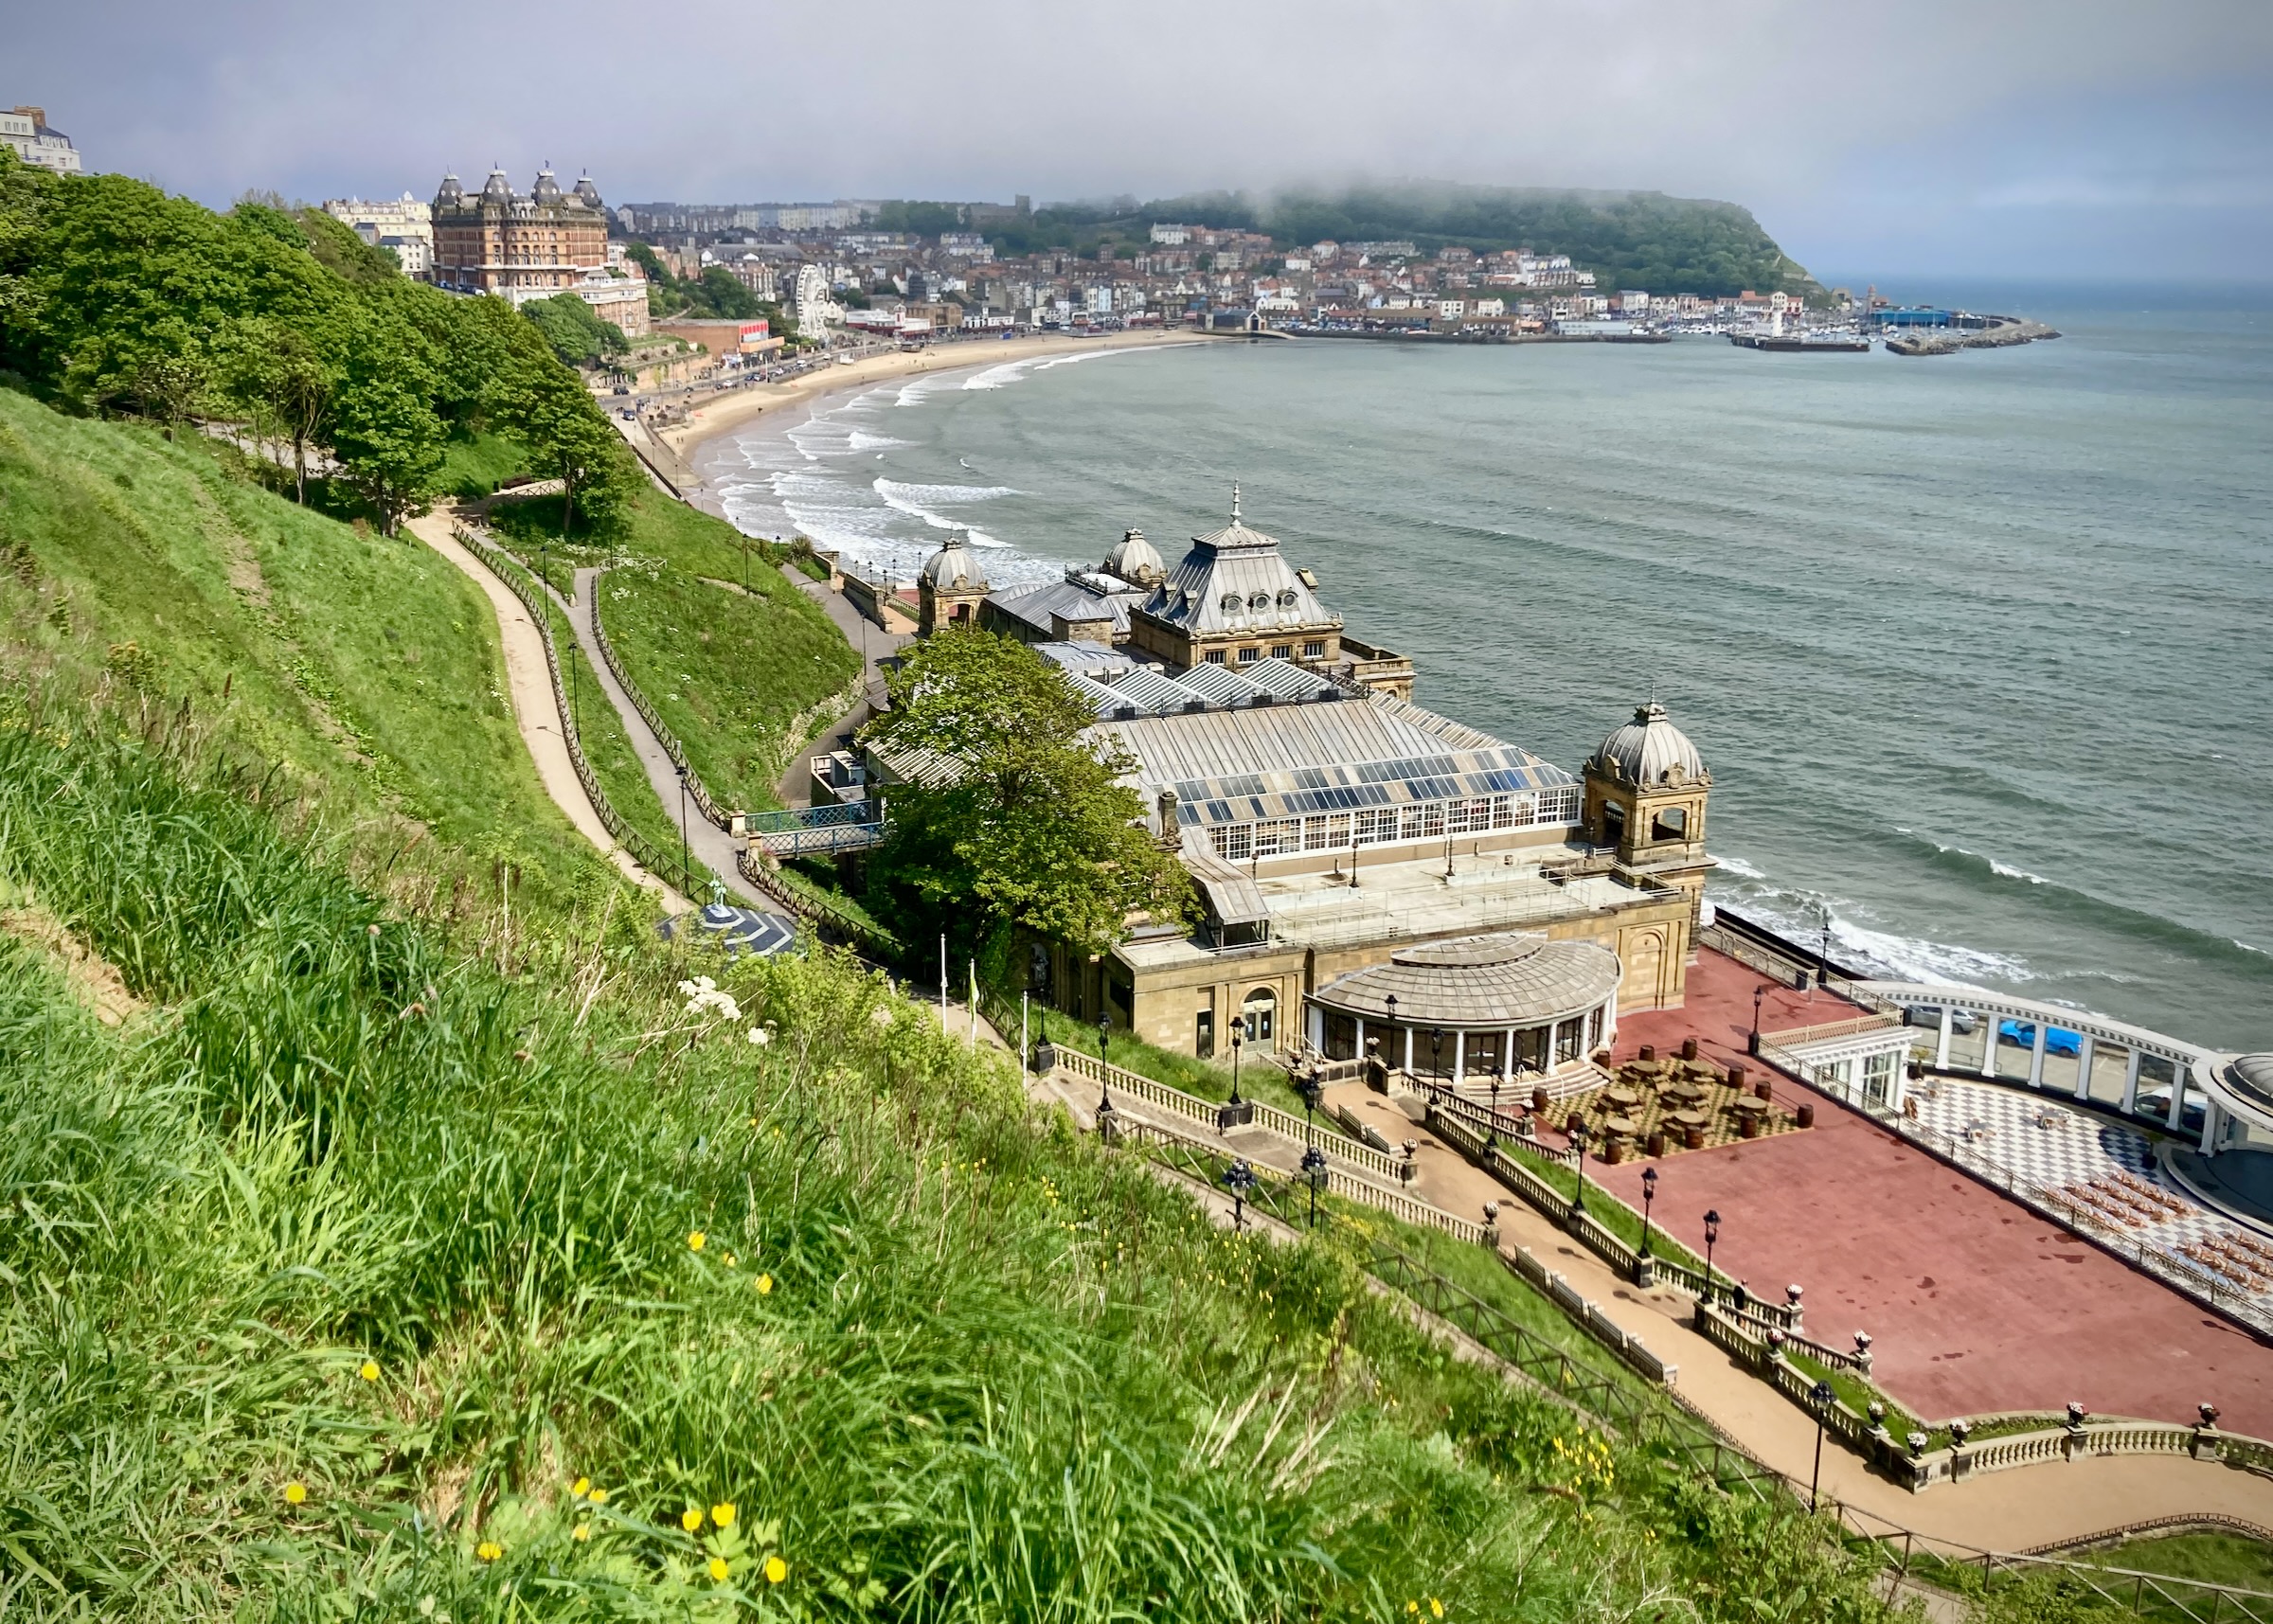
x=2000 y=333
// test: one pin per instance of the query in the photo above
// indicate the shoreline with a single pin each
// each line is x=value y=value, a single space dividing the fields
x=717 y=417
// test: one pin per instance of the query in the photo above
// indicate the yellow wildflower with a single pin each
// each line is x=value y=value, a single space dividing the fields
x=722 y=1514
x=1436 y=1608
x=1412 y=1607
x=695 y=1239
x=719 y=1569
x=488 y=1550
x=584 y=1532
x=765 y=1284
x=580 y=1488
x=776 y=1570
x=598 y=1496
x=729 y=1259
x=690 y=1519
x=295 y=1494
x=368 y=1370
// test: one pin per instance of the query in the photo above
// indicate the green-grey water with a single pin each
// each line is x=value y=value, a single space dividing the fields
x=1975 y=647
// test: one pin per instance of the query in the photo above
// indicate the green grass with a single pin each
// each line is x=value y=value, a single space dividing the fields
x=608 y=747
x=727 y=674
x=1204 y=1078
x=365 y=672
x=947 y=1361
x=475 y=464
x=2215 y=1558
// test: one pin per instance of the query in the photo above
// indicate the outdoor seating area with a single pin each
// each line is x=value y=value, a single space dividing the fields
x=1657 y=1106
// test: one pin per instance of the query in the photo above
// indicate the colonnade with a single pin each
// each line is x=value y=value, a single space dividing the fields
x=1543 y=1049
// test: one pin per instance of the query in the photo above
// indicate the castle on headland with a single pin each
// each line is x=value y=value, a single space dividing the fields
x=536 y=246
x=1367 y=869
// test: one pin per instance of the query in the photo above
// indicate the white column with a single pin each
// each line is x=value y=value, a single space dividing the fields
x=1507 y=1055
x=1317 y=1029
x=1610 y=1022
x=1989 y=1041
x=1407 y=1065
x=1460 y=1057
x=1361 y=1037
x=1942 y=1043
x=2178 y=1113
x=2213 y=1119
x=2131 y=1084
x=2043 y=1029
x=2084 y=1067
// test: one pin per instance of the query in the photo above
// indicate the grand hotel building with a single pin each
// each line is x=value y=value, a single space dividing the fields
x=533 y=246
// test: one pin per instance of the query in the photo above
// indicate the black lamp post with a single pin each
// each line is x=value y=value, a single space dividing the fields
x=1492 y=1128
x=1712 y=1234
x=544 y=561
x=1104 y=1030
x=1311 y=1090
x=1436 y=1056
x=1758 y=993
x=1239 y=1034
x=1649 y=1194
x=1400 y=1057
x=1578 y=1139
x=1314 y=1174
x=1823 y=1396
x=1239 y=1178
x=686 y=865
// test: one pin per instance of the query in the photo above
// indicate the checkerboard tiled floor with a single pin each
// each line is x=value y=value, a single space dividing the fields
x=2051 y=1144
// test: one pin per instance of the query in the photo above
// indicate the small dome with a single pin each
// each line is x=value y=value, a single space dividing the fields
x=451 y=191
x=547 y=188
x=497 y=185
x=1134 y=559
x=587 y=192
x=1650 y=750
x=953 y=569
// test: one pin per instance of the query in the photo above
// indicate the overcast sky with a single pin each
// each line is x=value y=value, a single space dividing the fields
x=2087 y=138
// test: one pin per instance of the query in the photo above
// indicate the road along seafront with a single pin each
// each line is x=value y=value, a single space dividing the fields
x=714 y=417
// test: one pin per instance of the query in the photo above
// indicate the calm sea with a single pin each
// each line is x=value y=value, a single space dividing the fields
x=1978 y=648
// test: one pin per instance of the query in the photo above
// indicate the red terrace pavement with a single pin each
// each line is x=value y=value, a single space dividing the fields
x=1975 y=1304
x=1718 y=1013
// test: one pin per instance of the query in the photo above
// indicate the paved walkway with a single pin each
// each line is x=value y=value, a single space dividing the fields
x=2014 y=1511
x=705 y=841
x=535 y=708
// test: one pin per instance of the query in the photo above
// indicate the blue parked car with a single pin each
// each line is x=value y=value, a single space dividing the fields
x=2057 y=1040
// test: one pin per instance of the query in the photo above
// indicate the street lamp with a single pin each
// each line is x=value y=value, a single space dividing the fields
x=1578 y=1139
x=1436 y=1056
x=1311 y=1090
x=1239 y=1178
x=1758 y=993
x=1314 y=1174
x=1104 y=1030
x=686 y=865
x=1239 y=1034
x=1402 y=1051
x=1649 y=1194
x=1492 y=1128
x=1712 y=1234
x=1823 y=1396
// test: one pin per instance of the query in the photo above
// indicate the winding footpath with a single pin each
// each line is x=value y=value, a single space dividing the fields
x=535 y=711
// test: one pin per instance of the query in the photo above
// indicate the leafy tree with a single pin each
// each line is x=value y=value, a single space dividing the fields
x=384 y=435
x=1038 y=832
x=574 y=329
x=571 y=441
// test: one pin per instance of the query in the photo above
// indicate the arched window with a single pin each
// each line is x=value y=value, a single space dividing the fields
x=1259 y=1013
x=1670 y=824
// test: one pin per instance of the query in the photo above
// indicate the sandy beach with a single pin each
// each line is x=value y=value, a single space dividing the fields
x=746 y=405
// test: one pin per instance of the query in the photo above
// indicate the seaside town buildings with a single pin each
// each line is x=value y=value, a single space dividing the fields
x=27 y=129
x=1368 y=870
x=404 y=225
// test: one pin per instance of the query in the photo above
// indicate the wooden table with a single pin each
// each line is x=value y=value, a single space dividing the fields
x=1623 y=1098
x=1621 y=1125
x=1690 y=1119
x=1682 y=1093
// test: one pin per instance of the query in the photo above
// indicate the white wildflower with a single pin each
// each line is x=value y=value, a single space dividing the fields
x=703 y=993
x=759 y=1036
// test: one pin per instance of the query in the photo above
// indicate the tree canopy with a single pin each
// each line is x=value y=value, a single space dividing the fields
x=1037 y=832
x=575 y=331
x=117 y=298
x=1646 y=239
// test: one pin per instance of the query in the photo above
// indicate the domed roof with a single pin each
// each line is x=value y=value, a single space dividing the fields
x=1134 y=559
x=497 y=185
x=547 y=188
x=1650 y=750
x=1479 y=983
x=451 y=191
x=2252 y=1076
x=953 y=569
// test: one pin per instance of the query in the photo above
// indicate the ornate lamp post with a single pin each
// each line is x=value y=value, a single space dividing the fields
x=1758 y=993
x=1239 y=1178
x=1492 y=1128
x=1239 y=1035
x=1822 y=1395
x=686 y=865
x=1396 y=1060
x=1105 y=1032
x=1578 y=1139
x=1311 y=1090
x=1435 y=1057
x=1649 y=1194
x=1712 y=1234
x=1314 y=1174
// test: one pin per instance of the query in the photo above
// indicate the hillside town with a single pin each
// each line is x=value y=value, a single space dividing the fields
x=835 y=277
